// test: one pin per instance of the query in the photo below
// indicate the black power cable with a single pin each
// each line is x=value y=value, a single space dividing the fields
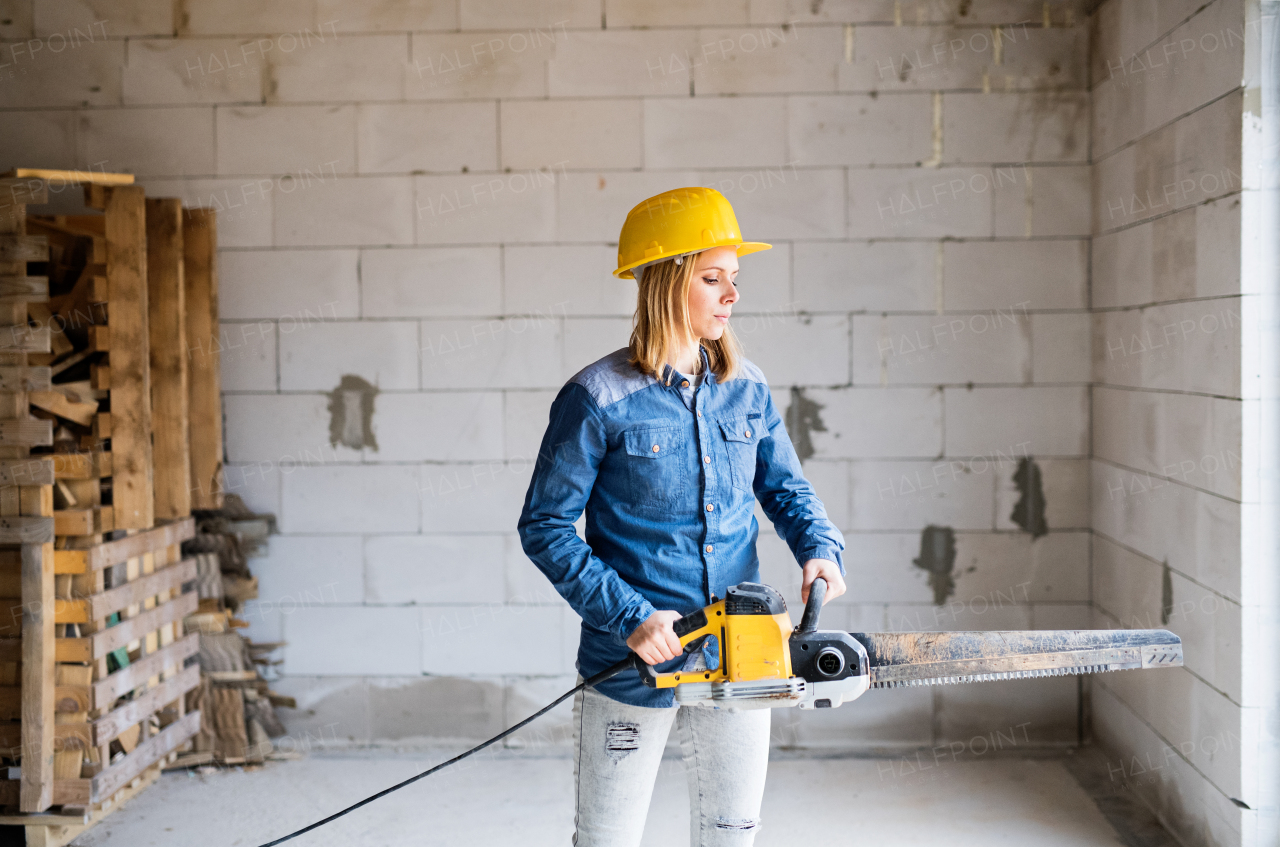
x=626 y=663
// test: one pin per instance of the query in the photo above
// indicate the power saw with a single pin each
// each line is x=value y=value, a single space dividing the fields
x=763 y=662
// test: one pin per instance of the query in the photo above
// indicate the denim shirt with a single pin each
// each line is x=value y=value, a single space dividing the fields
x=668 y=474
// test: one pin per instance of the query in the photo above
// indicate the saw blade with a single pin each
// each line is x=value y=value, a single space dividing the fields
x=942 y=658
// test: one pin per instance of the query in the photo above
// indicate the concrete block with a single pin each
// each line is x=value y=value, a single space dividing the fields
x=1196 y=63
x=480 y=66
x=43 y=139
x=352 y=68
x=332 y=710
x=1037 y=421
x=591 y=207
x=250 y=364
x=1015 y=127
x=350 y=499
x=1062 y=616
x=484 y=497
x=1185 y=438
x=524 y=640
x=921 y=202
x=258 y=484
x=620 y=63
x=350 y=640
x=526 y=585
x=672 y=13
x=878 y=568
x=287 y=140
x=859 y=129
x=520 y=352
x=244 y=208
x=298 y=432
x=987 y=347
x=432 y=568
x=525 y=415
x=437 y=427
x=424 y=282
x=804 y=350
x=942 y=58
x=1045 y=201
x=1124 y=31
x=750 y=132
x=589 y=339
x=73 y=19
x=963 y=616
x=1059 y=342
x=778 y=565
x=39 y=75
x=830 y=481
x=561 y=279
x=299 y=286
x=237 y=16
x=526 y=696
x=579 y=133
x=162 y=71
x=435 y=708
x=406 y=16
x=860 y=276
x=1019 y=275
x=1183 y=164
x=1196 y=532
x=266 y=624
x=995 y=570
x=877 y=423
x=783 y=203
x=417 y=137
x=1134 y=592
x=764 y=286
x=910 y=495
x=540 y=14
x=916 y=12
x=155 y=142
x=318 y=356
x=1188 y=254
x=1188 y=346
x=1065 y=484
x=470 y=209
x=331 y=211
x=1000 y=717
x=308 y=571
x=879 y=719
x=767 y=60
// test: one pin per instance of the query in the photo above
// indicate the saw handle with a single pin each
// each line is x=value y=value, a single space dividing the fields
x=817 y=591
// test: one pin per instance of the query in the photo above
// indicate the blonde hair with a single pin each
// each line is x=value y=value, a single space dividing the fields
x=662 y=317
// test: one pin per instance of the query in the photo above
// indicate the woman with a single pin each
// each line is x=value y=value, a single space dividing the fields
x=667 y=443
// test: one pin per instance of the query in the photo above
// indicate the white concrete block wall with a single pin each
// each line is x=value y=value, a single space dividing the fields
x=1172 y=313
x=427 y=197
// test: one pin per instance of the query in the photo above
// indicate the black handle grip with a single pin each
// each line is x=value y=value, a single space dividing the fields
x=817 y=591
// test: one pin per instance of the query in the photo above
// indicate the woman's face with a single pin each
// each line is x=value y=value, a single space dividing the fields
x=712 y=292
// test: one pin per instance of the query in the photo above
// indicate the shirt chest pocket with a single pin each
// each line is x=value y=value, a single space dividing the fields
x=741 y=435
x=657 y=464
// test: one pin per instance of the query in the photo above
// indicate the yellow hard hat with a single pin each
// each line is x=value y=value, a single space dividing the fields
x=676 y=222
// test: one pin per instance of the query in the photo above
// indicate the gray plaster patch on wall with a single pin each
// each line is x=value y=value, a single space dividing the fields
x=1166 y=594
x=1028 y=512
x=803 y=418
x=938 y=558
x=351 y=414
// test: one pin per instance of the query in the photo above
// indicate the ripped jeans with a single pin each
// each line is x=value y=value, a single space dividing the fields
x=617 y=751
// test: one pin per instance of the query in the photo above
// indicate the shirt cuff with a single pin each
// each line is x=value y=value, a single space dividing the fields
x=633 y=618
x=831 y=554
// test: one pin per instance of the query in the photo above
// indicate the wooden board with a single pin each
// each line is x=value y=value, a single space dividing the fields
x=166 y=298
x=126 y=233
x=26 y=471
x=72 y=177
x=99 y=606
x=107 y=689
x=200 y=281
x=24 y=248
x=110 y=553
x=131 y=712
x=38 y=650
x=26 y=529
x=99 y=644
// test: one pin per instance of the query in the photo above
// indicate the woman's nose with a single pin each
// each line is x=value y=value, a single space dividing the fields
x=730 y=296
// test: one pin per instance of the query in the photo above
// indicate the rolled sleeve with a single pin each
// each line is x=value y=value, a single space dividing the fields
x=789 y=500
x=568 y=462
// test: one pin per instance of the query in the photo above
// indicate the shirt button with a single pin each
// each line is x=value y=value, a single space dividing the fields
x=710 y=507
x=656 y=448
x=706 y=459
x=684 y=383
x=708 y=548
x=747 y=434
x=699 y=414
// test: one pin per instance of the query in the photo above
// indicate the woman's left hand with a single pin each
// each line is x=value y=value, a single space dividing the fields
x=829 y=571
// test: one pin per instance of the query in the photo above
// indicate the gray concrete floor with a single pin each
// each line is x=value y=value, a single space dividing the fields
x=507 y=797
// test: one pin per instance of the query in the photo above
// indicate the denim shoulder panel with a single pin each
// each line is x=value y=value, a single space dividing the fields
x=750 y=372
x=612 y=378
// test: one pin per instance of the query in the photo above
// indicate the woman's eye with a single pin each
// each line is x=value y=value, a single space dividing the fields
x=710 y=279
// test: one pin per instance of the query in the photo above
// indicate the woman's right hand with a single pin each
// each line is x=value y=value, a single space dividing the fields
x=654 y=641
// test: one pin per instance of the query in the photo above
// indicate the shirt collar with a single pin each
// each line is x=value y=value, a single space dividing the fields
x=671 y=377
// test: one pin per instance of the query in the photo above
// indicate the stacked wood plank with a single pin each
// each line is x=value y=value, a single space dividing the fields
x=97 y=477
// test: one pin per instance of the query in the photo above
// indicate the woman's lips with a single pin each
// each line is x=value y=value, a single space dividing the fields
x=722 y=318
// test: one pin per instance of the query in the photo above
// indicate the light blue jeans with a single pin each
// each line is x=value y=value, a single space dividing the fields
x=618 y=749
